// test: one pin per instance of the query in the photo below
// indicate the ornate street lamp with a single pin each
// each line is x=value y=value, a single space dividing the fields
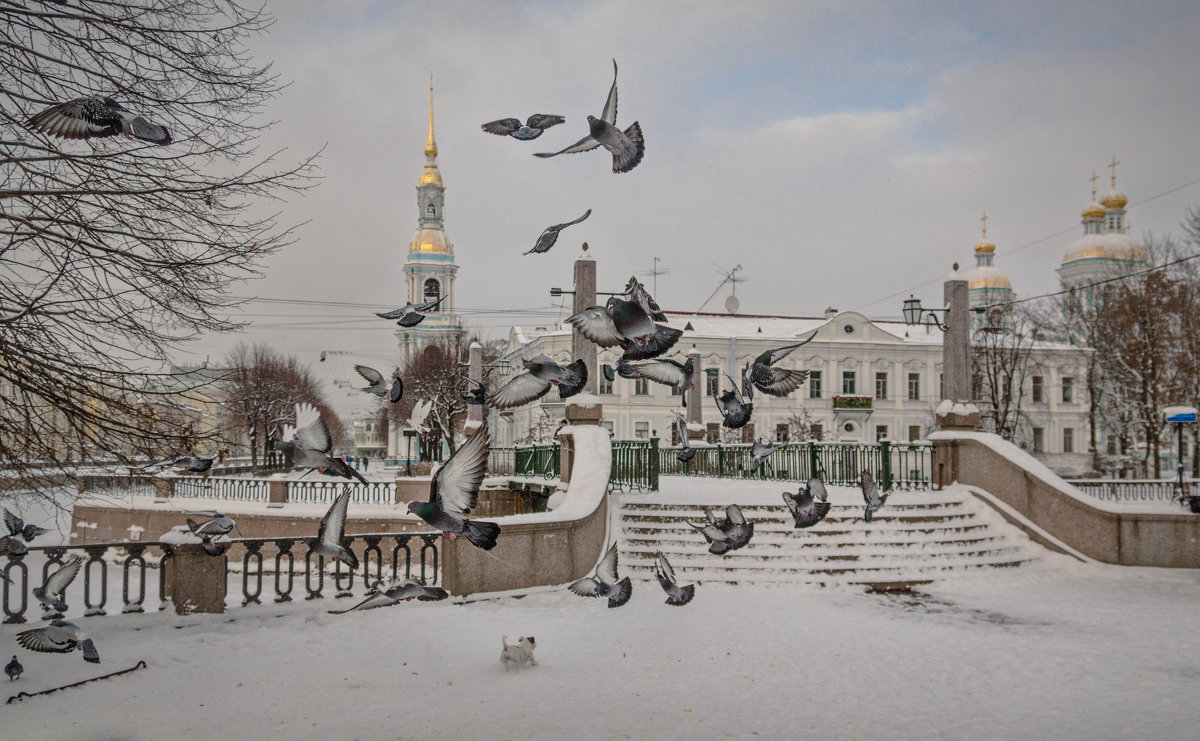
x=915 y=314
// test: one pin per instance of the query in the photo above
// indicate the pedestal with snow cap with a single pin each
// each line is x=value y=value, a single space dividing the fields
x=164 y=486
x=957 y=415
x=193 y=580
x=475 y=373
x=695 y=400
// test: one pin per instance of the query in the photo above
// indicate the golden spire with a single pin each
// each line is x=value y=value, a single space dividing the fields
x=1114 y=199
x=1094 y=178
x=1113 y=166
x=984 y=246
x=430 y=144
x=983 y=220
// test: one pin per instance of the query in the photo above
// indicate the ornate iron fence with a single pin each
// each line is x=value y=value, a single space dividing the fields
x=635 y=464
x=138 y=485
x=129 y=568
x=532 y=461
x=1136 y=490
x=501 y=462
x=894 y=465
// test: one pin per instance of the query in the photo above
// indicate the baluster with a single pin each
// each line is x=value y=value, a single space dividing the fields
x=134 y=557
x=95 y=552
x=343 y=578
x=402 y=545
x=162 y=580
x=372 y=546
x=253 y=551
x=284 y=549
x=308 y=571
x=430 y=545
x=16 y=564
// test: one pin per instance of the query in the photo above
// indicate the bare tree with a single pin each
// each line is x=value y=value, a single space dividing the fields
x=114 y=250
x=1003 y=358
x=437 y=374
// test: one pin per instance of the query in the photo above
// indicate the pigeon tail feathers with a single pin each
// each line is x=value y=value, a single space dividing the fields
x=575 y=376
x=685 y=596
x=482 y=534
x=622 y=593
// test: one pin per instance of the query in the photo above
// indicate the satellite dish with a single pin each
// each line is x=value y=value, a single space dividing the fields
x=732 y=304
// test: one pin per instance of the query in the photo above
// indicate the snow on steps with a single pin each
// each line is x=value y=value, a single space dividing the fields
x=915 y=539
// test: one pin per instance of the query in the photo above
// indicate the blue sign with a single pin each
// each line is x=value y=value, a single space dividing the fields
x=1180 y=414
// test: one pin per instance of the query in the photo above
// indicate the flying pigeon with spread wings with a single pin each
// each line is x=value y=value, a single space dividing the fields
x=627 y=147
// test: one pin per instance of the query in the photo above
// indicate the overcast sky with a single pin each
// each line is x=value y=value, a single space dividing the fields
x=840 y=152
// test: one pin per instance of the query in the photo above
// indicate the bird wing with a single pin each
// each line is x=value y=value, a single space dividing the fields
x=667 y=372
x=14 y=523
x=39 y=639
x=737 y=396
x=816 y=487
x=311 y=431
x=761 y=449
x=638 y=294
x=520 y=390
x=420 y=413
x=606 y=570
x=141 y=128
x=777 y=381
x=585 y=587
x=57 y=582
x=585 y=144
x=597 y=325
x=203 y=513
x=734 y=514
x=610 y=105
x=396 y=391
x=82 y=118
x=393 y=314
x=792 y=502
x=333 y=524
x=368 y=373
x=560 y=227
x=429 y=305
x=665 y=571
x=502 y=126
x=543 y=120
x=770 y=357
x=869 y=489
x=455 y=487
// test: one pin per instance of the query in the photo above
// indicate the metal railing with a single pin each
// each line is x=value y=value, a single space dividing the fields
x=235 y=489
x=894 y=465
x=635 y=464
x=320 y=492
x=1135 y=490
x=532 y=461
x=501 y=462
x=113 y=484
x=127 y=569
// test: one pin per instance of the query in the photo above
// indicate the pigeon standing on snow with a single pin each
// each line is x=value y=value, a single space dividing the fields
x=627 y=147
x=542 y=373
x=679 y=376
x=759 y=453
x=871 y=496
x=379 y=385
x=410 y=315
x=677 y=596
x=394 y=592
x=530 y=130
x=59 y=637
x=309 y=442
x=14 y=670
x=548 y=237
x=51 y=594
x=454 y=492
x=734 y=408
x=628 y=323
x=686 y=452
x=810 y=504
x=333 y=531
x=777 y=381
x=85 y=118
x=605 y=582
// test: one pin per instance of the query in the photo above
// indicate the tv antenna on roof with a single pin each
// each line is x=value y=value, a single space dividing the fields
x=654 y=272
x=728 y=276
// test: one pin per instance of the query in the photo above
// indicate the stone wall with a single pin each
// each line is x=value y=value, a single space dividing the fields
x=1126 y=538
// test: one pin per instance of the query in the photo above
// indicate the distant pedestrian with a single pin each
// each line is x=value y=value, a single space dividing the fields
x=366 y=464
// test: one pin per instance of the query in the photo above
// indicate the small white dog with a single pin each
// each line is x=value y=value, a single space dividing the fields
x=517 y=655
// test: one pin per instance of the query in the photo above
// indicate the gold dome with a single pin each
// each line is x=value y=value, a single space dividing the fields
x=984 y=246
x=1094 y=211
x=1114 y=199
x=430 y=174
x=428 y=240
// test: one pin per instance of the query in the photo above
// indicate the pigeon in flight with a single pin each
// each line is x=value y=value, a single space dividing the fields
x=476 y=395
x=638 y=293
x=736 y=528
x=871 y=496
x=218 y=525
x=19 y=534
x=810 y=504
x=14 y=670
x=410 y=315
x=379 y=385
x=531 y=129
x=51 y=594
x=454 y=492
x=185 y=463
x=759 y=454
x=309 y=442
x=85 y=118
x=629 y=324
x=420 y=413
x=679 y=376
x=541 y=373
x=59 y=637
x=627 y=147
x=777 y=381
x=394 y=592
x=734 y=408
x=548 y=237
x=333 y=531
x=714 y=534
x=677 y=596
x=605 y=583
x=609 y=374
x=686 y=452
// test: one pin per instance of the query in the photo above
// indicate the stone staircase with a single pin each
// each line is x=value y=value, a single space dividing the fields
x=916 y=538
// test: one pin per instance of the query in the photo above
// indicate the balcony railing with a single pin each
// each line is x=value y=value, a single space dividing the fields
x=852 y=402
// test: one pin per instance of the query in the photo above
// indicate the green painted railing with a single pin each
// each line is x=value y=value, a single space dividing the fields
x=894 y=465
x=532 y=461
x=635 y=464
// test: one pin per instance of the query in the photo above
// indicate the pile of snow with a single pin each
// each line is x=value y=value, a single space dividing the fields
x=956 y=407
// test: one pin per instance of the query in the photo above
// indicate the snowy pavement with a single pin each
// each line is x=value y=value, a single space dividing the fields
x=1067 y=650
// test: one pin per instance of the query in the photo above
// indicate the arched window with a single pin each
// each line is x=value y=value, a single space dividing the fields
x=433 y=290
x=431 y=211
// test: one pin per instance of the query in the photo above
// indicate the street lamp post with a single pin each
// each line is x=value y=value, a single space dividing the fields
x=409 y=435
x=1179 y=416
x=956 y=350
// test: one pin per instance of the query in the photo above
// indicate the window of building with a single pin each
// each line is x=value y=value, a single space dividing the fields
x=814 y=384
x=1068 y=389
x=1037 y=393
x=781 y=432
x=748 y=433
x=433 y=290
x=941 y=385
x=712 y=381
x=676 y=438
x=848 y=383
x=1039 y=440
x=431 y=211
x=914 y=386
x=641 y=387
x=977 y=387
x=1068 y=440
x=641 y=430
x=712 y=433
x=880 y=432
x=818 y=432
x=1007 y=388
x=1112 y=445
x=880 y=385
x=605 y=386
x=914 y=433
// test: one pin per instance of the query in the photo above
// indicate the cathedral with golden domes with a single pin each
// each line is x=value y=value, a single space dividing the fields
x=430 y=270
